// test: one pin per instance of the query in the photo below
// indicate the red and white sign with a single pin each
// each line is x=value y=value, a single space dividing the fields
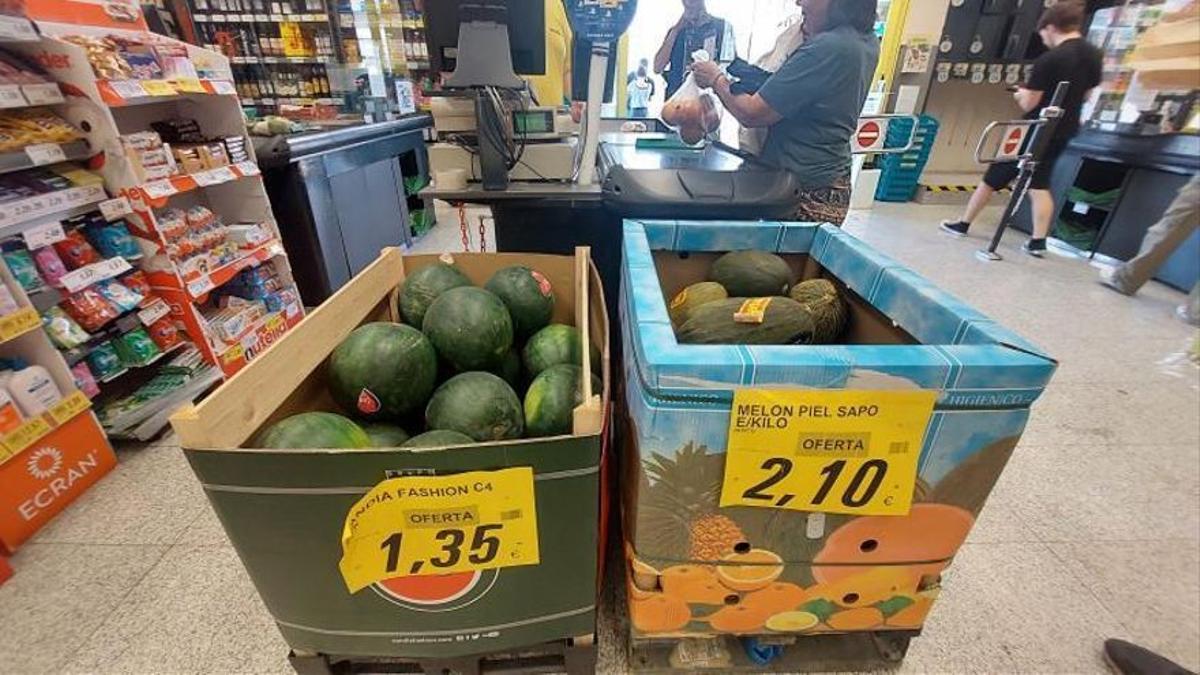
x=1011 y=144
x=870 y=135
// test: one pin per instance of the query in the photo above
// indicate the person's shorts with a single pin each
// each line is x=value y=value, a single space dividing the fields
x=1000 y=175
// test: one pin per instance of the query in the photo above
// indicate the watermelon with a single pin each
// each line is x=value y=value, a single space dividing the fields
x=751 y=274
x=510 y=369
x=829 y=311
x=552 y=398
x=553 y=345
x=424 y=286
x=386 y=435
x=382 y=371
x=683 y=304
x=470 y=328
x=783 y=321
x=528 y=295
x=313 y=430
x=480 y=405
x=438 y=439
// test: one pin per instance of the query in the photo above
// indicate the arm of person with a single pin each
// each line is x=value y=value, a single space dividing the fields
x=662 y=58
x=750 y=110
x=1028 y=99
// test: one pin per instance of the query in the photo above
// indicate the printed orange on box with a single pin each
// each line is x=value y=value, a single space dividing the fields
x=41 y=480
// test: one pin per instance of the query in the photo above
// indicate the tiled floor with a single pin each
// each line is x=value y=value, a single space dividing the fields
x=1093 y=531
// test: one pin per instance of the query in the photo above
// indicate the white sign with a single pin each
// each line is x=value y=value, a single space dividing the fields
x=45 y=153
x=43 y=235
x=86 y=276
x=46 y=93
x=116 y=208
x=10 y=96
x=159 y=189
x=870 y=135
x=406 y=97
x=128 y=88
x=223 y=87
x=1012 y=142
x=200 y=286
x=17 y=29
x=247 y=168
x=214 y=176
x=157 y=310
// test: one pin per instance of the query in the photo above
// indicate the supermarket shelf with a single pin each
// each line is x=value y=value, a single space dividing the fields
x=259 y=18
x=40 y=155
x=117 y=375
x=290 y=101
x=32 y=430
x=328 y=60
x=17 y=29
x=168 y=187
x=25 y=95
x=19 y=323
x=199 y=286
x=119 y=93
x=144 y=422
x=56 y=205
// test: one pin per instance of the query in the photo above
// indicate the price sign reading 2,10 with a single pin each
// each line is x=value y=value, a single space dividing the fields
x=852 y=452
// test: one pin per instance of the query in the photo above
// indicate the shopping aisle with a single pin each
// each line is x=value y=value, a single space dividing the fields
x=1093 y=531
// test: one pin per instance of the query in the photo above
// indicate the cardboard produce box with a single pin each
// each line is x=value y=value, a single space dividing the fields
x=286 y=511
x=850 y=473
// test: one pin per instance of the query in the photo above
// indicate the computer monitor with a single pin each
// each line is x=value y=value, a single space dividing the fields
x=526 y=21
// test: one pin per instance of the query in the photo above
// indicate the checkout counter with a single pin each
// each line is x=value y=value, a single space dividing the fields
x=1111 y=187
x=342 y=195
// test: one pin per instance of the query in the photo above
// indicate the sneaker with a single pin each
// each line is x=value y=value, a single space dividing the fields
x=1035 y=247
x=1129 y=659
x=1184 y=314
x=1108 y=279
x=956 y=228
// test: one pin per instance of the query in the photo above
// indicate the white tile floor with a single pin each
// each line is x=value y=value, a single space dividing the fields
x=1093 y=531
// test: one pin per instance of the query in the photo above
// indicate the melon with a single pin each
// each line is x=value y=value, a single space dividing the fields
x=783 y=322
x=386 y=435
x=751 y=274
x=552 y=398
x=829 y=311
x=313 y=430
x=696 y=295
x=510 y=369
x=554 y=345
x=479 y=405
x=470 y=328
x=424 y=286
x=382 y=371
x=438 y=439
x=528 y=295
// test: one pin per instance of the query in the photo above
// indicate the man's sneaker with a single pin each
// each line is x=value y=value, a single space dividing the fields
x=1184 y=314
x=1129 y=659
x=1108 y=278
x=955 y=227
x=1035 y=247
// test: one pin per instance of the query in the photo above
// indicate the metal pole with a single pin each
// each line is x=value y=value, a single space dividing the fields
x=1039 y=141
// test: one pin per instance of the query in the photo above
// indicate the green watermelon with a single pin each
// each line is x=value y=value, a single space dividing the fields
x=438 y=439
x=510 y=369
x=386 y=435
x=480 y=405
x=553 y=345
x=382 y=371
x=552 y=398
x=751 y=274
x=313 y=430
x=528 y=295
x=470 y=328
x=424 y=286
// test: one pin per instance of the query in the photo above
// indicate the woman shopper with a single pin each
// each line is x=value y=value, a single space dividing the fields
x=812 y=103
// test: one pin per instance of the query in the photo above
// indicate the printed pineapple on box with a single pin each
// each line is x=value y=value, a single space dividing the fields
x=699 y=569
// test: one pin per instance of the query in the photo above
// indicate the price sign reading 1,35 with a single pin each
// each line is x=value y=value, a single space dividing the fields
x=852 y=452
x=430 y=525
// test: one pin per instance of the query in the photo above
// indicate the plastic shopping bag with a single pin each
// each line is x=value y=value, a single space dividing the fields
x=693 y=112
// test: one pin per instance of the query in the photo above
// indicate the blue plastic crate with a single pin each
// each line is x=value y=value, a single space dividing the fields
x=901 y=173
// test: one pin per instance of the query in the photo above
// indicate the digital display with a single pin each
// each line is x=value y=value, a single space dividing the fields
x=540 y=122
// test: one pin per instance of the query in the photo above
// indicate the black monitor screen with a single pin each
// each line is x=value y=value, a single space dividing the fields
x=526 y=21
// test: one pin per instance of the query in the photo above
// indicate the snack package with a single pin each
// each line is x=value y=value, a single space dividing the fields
x=84 y=379
x=49 y=264
x=8 y=302
x=104 y=56
x=164 y=333
x=62 y=329
x=173 y=224
x=103 y=360
x=692 y=112
x=135 y=348
x=199 y=218
x=119 y=295
x=20 y=263
x=75 y=250
x=89 y=309
x=113 y=239
x=136 y=281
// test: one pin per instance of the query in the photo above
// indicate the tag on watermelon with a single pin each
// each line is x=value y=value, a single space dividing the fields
x=542 y=282
x=368 y=402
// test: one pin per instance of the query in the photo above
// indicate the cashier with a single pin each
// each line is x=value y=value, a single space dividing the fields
x=812 y=103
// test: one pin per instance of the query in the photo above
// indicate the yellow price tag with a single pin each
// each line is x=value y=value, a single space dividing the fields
x=158 y=88
x=429 y=525
x=25 y=435
x=190 y=85
x=66 y=409
x=233 y=354
x=18 y=323
x=851 y=452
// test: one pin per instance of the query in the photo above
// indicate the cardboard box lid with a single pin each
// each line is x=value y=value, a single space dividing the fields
x=961 y=351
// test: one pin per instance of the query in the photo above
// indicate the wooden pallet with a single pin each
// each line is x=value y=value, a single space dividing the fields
x=867 y=651
x=575 y=656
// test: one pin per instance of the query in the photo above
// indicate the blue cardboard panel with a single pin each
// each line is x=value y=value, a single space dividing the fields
x=727 y=236
x=850 y=367
x=660 y=234
x=857 y=265
x=798 y=237
x=929 y=314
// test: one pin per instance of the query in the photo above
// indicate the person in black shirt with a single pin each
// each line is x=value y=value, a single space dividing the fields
x=696 y=29
x=1071 y=59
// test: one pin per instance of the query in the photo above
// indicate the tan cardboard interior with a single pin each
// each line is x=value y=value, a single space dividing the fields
x=867 y=325
x=312 y=394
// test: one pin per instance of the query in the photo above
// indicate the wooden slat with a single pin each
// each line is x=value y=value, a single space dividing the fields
x=231 y=415
x=589 y=415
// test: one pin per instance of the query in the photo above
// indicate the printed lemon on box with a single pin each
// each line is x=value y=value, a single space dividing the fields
x=431 y=525
x=852 y=452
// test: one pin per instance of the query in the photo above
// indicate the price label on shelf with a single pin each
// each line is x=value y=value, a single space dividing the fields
x=190 y=85
x=247 y=168
x=435 y=525
x=44 y=93
x=218 y=18
x=851 y=452
x=157 y=310
x=199 y=287
x=11 y=96
x=261 y=18
x=223 y=87
x=19 y=322
x=159 y=88
x=66 y=409
x=115 y=208
x=87 y=275
x=24 y=436
x=159 y=189
x=215 y=176
x=45 y=153
x=43 y=235
x=128 y=88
